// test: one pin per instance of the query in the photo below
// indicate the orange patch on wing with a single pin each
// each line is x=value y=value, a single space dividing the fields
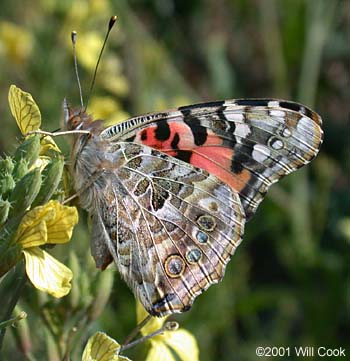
x=217 y=161
x=236 y=181
x=212 y=156
x=212 y=159
x=148 y=137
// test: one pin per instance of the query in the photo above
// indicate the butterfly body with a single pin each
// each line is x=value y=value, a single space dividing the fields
x=169 y=193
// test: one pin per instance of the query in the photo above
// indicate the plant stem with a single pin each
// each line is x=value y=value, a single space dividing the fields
x=21 y=281
x=137 y=329
x=168 y=326
x=319 y=20
x=12 y=321
x=272 y=38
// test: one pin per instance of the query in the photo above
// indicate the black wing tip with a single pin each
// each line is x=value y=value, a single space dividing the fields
x=285 y=104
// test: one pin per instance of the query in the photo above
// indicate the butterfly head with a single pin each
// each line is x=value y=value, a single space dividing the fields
x=74 y=118
x=79 y=119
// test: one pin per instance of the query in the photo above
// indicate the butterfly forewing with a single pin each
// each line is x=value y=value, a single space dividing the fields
x=248 y=144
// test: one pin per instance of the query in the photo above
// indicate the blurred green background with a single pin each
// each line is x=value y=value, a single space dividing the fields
x=288 y=283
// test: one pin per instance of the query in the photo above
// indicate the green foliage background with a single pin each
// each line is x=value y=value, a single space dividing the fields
x=288 y=283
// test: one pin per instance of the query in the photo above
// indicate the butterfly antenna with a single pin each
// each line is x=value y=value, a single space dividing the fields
x=112 y=21
x=74 y=41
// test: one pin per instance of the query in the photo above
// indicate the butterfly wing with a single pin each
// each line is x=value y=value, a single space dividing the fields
x=171 y=228
x=247 y=144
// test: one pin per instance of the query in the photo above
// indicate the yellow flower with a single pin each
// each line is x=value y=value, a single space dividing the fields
x=52 y=223
x=88 y=53
x=24 y=110
x=108 y=109
x=101 y=347
x=16 y=43
x=28 y=118
x=179 y=341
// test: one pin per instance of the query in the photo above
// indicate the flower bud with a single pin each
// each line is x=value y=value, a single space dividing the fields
x=6 y=165
x=28 y=150
x=7 y=184
x=51 y=177
x=21 y=169
x=24 y=193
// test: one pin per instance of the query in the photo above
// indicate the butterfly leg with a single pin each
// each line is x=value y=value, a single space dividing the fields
x=90 y=182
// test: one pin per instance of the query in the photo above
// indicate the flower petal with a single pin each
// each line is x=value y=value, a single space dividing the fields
x=60 y=228
x=89 y=52
x=24 y=110
x=101 y=347
x=41 y=163
x=51 y=223
x=46 y=273
x=33 y=236
x=32 y=230
x=183 y=343
x=16 y=42
x=47 y=145
x=159 y=352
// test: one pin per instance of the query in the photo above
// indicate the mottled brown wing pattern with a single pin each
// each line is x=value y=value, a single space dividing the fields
x=171 y=228
x=248 y=144
x=169 y=192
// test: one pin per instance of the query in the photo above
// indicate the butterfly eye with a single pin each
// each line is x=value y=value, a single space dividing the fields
x=74 y=123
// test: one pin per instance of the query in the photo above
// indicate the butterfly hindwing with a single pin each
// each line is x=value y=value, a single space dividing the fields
x=171 y=228
x=248 y=144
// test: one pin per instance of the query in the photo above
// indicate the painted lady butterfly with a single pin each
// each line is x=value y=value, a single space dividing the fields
x=169 y=193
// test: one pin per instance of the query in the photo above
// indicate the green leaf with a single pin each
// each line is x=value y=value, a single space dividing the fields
x=101 y=347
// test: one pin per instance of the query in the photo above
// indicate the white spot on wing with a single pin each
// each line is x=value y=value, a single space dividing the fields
x=234 y=117
x=242 y=130
x=260 y=153
x=286 y=132
x=229 y=103
x=304 y=123
x=276 y=143
x=273 y=103
x=277 y=113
